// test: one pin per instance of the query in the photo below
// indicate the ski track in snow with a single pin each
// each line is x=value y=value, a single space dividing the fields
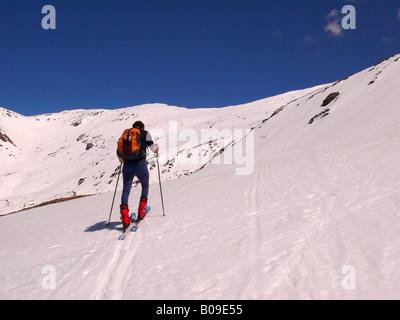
x=112 y=281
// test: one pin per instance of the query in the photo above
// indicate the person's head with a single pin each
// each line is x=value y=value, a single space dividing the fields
x=138 y=125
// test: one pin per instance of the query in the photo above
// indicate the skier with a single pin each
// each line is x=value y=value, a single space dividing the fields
x=138 y=168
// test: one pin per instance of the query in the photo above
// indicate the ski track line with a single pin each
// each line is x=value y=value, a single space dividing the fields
x=105 y=276
x=121 y=275
x=111 y=280
x=254 y=210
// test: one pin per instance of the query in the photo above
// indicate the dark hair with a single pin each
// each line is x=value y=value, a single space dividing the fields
x=138 y=125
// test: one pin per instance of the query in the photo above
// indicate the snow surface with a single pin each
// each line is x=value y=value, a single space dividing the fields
x=323 y=196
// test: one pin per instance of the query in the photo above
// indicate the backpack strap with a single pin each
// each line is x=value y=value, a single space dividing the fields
x=138 y=140
x=127 y=134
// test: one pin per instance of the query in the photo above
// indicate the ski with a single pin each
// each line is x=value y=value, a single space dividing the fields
x=125 y=230
x=123 y=235
x=136 y=223
x=133 y=226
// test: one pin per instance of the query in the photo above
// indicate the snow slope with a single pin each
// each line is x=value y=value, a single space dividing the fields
x=323 y=199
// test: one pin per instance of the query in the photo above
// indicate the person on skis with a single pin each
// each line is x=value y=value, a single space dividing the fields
x=133 y=159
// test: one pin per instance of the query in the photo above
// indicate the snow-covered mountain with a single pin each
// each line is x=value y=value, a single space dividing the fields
x=73 y=153
x=317 y=216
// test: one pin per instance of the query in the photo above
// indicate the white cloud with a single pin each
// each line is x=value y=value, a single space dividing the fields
x=333 y=24
x=309 y=39
x=333 y=14
x=334 y=27
x=398 y=14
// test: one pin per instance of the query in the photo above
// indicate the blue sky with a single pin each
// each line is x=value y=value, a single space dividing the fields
x=190 y=53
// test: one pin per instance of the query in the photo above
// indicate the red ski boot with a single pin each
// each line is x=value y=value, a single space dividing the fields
x=142 y=209
x=125 y=215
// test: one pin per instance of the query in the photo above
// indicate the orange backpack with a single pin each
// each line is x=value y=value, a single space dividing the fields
x=129 y=145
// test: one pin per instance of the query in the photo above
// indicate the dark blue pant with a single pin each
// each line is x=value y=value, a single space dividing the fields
x=130 y=170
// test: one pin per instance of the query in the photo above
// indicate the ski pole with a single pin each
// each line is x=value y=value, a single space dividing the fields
x=159 y=180
x=112 y=204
